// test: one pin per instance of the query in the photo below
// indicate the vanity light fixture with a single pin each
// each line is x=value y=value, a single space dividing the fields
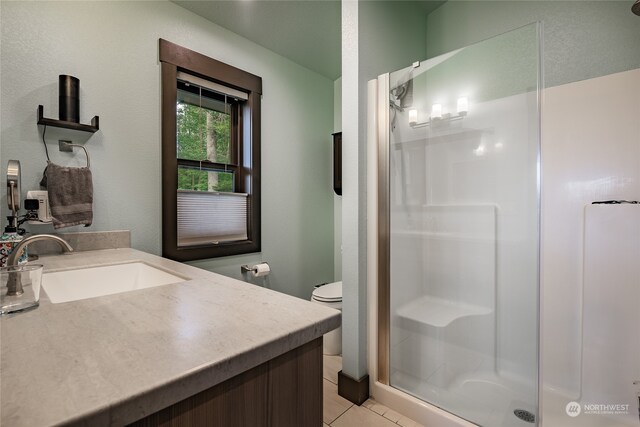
x=438 y=117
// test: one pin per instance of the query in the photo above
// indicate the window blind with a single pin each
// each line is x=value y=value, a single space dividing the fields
x=225 y=90
x=206 y=217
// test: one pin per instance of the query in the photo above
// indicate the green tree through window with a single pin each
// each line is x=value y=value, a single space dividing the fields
x=203 y=134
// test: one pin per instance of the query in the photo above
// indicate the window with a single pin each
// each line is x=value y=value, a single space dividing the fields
x=210 y=156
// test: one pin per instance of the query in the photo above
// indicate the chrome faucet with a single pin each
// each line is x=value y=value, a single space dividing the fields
x=14 y=285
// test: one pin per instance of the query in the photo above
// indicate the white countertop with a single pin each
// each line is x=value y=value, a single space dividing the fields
x=115 y=359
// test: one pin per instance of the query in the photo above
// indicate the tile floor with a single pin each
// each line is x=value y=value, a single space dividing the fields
x=339 y=412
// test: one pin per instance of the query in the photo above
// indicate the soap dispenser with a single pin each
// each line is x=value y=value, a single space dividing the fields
x=9 y=240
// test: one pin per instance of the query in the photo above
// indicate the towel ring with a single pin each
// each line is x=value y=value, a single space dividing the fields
x=68 y=147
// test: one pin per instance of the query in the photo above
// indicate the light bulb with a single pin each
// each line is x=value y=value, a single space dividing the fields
x=480 y=151
x=413 y=117
x=463 y=105
x=436 y=111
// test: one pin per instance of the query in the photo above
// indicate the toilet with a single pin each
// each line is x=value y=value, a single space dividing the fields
x=330 y=295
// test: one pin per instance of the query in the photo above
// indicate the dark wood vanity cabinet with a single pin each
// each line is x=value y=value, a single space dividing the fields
x=337 y=163
x=283 y=392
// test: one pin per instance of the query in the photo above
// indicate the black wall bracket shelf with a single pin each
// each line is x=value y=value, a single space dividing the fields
x=93 y=127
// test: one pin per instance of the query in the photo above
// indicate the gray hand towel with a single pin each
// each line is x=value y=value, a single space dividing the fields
x=70 y=195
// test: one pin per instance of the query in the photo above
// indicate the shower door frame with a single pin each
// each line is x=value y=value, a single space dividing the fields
x=384 y=237
x=378 y=270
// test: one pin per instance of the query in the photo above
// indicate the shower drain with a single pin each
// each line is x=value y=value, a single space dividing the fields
x=525 y=415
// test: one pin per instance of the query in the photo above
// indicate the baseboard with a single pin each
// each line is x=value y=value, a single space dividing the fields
x=355 y=391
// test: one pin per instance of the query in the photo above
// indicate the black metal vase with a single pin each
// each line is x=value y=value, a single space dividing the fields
x=69 y=99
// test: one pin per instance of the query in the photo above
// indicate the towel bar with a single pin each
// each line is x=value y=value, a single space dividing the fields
x=67 y=146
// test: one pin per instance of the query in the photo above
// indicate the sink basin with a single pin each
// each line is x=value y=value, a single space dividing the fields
x=83 y=283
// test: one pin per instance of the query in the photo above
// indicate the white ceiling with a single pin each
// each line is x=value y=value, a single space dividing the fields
x=305 y=31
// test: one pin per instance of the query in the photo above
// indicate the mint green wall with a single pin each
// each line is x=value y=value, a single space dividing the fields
x=392 y=36
x=337 y=200
x=112 y=47
x=496 y=68
x=377 y=37
x=582 y=39
x=354 y=301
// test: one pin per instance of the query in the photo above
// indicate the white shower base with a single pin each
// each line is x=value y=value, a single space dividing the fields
x=483 y=398
x=492 y=405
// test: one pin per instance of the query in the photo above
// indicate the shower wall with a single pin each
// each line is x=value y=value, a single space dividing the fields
x=477 y=191
x=591 y=151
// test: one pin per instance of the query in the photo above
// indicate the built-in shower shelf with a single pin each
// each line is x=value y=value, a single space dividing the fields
x=438 y=312
x=442 y=235
x=453 y=135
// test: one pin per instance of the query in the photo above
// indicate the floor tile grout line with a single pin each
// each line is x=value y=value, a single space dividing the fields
x=373 y=412
x=382 y=416
x=362 y=406
x=340 y=415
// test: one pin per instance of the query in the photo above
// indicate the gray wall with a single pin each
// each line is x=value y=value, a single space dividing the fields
x=582 y=39
x=112 y=47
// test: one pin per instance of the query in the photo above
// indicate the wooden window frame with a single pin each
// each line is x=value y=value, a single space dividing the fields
x=174 y=58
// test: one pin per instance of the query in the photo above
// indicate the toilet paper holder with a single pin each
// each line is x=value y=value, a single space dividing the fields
x=251 y=268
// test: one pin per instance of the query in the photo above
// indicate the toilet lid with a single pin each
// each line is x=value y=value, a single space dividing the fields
x=331 y=292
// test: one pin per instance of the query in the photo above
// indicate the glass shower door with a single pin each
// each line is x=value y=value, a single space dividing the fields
x=464 y=229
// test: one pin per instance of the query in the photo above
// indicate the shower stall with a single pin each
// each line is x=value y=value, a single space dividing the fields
x=458 y=220
x=455 y=198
